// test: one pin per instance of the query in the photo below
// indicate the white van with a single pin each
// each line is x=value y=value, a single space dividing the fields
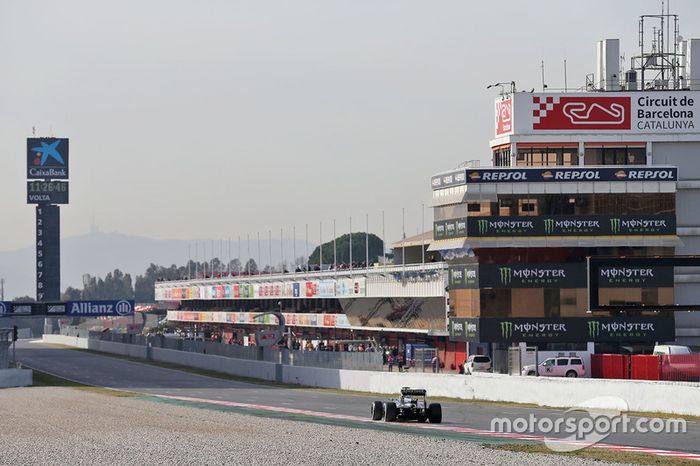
x=669 y=350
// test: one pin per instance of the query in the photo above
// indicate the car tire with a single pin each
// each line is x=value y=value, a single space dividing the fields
x=377 y=410
x=531 y=373
x=572 y=374
x=435 y=413
x=389 y=411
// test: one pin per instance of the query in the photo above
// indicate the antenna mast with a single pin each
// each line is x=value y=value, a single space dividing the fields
x=662 y=62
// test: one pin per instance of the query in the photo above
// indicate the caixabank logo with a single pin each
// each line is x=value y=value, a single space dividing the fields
x=47 y=158
x=581 y=113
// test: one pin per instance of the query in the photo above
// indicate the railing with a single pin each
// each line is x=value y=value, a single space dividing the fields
x=291 y=276
x=325 y=359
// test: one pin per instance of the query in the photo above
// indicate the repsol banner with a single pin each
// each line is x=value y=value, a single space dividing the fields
x=571 y=329
x=523 y=175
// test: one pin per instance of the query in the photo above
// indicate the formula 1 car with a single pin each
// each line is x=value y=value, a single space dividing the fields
x=411 y=406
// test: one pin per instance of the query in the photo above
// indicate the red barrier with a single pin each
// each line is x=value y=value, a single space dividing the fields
x=610 y=366
x=597 y=366
x=646 y=367
x=681 y=367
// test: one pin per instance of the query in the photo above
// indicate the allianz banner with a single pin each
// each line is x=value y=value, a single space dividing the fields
x=556 y=225
x=571 y=329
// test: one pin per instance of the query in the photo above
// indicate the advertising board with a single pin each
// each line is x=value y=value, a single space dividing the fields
x=610 y=112
x=47 y=158
x=567 y=329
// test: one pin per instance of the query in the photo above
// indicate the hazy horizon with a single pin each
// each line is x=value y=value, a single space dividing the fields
x=215 y=119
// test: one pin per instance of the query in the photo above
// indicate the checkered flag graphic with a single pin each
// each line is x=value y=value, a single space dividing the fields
x=541 y=106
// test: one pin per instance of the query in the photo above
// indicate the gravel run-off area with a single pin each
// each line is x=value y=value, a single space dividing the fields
x=69 y=426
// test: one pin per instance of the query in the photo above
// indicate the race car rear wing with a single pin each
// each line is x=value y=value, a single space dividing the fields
x=406 y=391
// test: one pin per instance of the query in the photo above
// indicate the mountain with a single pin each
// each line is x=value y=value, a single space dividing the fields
x=98 y=253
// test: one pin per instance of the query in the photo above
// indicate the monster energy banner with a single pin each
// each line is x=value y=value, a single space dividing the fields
x=532 y=276
x=463 y=276
x=630 y=277
x=578 y=225
x=568 y=329
x=554 y=275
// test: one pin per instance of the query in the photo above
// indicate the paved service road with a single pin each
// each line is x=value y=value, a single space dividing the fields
x=110 y=372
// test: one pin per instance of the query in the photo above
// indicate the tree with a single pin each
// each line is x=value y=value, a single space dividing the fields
x=71 y=294
x=251 y=266
x=235 y=266
x=115 y=285
x=24 y=299
x=342 y=244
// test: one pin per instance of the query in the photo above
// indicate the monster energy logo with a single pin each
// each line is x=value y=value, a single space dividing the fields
x=506 y=330
x=483 y=226
x=593 y=329
x=506 y=275
x=615 y=224
x=548 y=225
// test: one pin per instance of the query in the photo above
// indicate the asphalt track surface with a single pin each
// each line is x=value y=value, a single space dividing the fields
x=93 y=369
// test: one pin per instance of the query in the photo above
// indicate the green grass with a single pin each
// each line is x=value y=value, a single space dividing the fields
x=597 y=454
x=42 y=379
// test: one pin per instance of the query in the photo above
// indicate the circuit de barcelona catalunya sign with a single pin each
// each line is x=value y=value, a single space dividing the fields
x=567 y=329
x=637 y=112
x=579 y=225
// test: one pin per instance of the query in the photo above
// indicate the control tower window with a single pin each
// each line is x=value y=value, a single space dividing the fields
x=615 y=156
x=546 y=156
x=501 y=157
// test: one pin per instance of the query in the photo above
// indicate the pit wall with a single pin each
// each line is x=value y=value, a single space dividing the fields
x=15 y=378
x=625 y=395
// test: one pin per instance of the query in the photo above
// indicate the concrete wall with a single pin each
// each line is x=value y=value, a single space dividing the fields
x=15 y=378
x=65 y=340
x=240 y=367
x=134 y=351
x=639 y=395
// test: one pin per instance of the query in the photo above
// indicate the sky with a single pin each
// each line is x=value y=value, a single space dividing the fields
x=214 y=119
